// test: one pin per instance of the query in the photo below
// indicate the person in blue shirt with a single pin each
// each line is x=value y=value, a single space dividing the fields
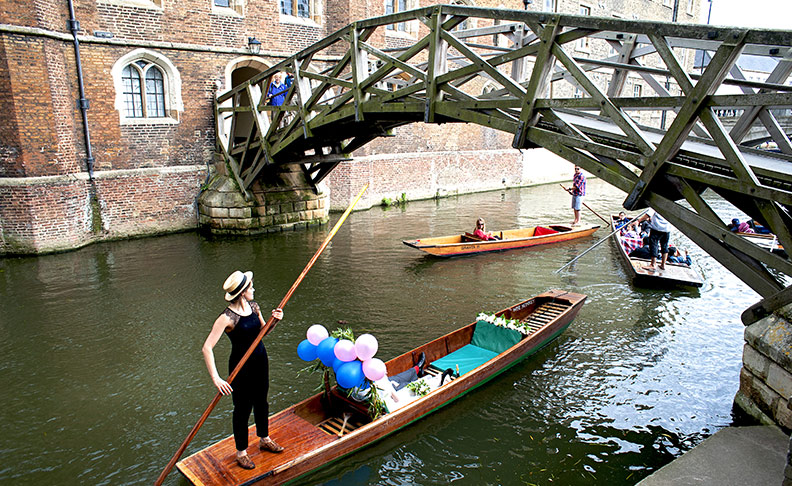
x=276 y=94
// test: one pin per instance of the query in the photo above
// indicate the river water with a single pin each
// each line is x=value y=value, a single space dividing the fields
x=102 y=375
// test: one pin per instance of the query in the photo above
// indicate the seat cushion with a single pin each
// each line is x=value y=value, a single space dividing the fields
x=466 y=358
x=493 y=338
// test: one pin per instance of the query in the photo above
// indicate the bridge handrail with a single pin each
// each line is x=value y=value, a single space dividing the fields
x=758 y=41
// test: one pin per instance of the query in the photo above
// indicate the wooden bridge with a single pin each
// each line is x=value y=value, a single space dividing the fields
x=558 y=82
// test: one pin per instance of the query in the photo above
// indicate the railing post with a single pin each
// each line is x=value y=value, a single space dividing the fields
x=540 y=78
x=302 y=88
x=438 y=64
x=359 y=70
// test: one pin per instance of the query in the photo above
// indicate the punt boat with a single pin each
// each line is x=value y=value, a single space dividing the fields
x=330 y=424
x=466 y=243
x=768 y=241
x=674 y=275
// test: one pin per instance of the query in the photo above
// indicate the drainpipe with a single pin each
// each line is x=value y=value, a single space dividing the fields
x=74 y=27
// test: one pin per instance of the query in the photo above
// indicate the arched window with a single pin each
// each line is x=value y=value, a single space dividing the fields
x=143 y=100
x=148 y=88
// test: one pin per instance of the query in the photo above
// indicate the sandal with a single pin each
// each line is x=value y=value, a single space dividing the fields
x=269 y=445
x=245 y=462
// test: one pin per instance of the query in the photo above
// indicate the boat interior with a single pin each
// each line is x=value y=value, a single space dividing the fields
x=520 y=233
x=460 y=351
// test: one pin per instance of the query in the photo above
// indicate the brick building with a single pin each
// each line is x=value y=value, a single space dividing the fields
x=145 y=73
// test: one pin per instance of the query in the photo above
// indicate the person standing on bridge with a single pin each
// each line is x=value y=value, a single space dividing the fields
x=276 y=94
x=578 y=191
x=241 y=321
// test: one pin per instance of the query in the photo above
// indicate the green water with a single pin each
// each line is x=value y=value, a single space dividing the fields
x=102 y=375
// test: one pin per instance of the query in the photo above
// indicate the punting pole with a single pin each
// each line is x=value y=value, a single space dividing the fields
x=264 y=330
x=586 y=205
x=600 y=241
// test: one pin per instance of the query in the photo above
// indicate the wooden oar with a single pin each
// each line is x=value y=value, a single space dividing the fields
x=264 y=330
x=587 y=206
x=600 y=241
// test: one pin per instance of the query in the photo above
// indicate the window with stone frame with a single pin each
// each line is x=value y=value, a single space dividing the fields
x=148 y=88
x=296 y=8
x=549 y=5
x=144 y=4
x=144 y=91
x=303 y=12
x=395 y=6
x=584 y=44
x=229 y=7
x=690 y=7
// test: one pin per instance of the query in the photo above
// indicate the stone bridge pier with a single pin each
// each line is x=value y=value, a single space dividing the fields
x=766 y=376
x=282 y=200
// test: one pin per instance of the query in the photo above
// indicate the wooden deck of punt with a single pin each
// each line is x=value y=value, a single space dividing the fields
x=309 y=430
x=766 y=241
x=454 y=245
x=674 y=275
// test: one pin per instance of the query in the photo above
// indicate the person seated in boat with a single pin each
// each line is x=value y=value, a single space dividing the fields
x=621 y=220
x=631 y=231
x=737 y=227
x=674 y=256
x=642 y=251
x=481 y=232
x=630 y=238
x=392 y=384
x=758 y=228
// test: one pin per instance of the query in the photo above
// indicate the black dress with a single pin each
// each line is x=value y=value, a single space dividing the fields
x=251 y=385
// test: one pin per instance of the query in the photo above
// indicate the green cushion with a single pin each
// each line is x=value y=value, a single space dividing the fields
x=467 y=358
x=494 y=338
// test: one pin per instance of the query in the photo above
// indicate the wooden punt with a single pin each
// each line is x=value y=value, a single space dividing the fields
x=466 y=243
x=674 y=275
x=311 y=431
x=768 y=241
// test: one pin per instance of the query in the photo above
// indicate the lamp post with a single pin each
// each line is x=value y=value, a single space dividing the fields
x=526 y=3
x=254 y=45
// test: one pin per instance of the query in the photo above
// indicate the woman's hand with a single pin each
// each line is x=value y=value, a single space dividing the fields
x=277 y=313
x=222 y=386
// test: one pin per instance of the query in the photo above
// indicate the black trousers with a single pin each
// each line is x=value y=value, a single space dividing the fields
x=251 y=387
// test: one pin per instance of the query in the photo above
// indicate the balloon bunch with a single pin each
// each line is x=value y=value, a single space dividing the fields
x=352 y=363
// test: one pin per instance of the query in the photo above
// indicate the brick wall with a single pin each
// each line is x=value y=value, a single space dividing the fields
x=425 y=175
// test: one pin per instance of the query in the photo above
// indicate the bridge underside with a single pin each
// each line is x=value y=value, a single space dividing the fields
x=558 y=82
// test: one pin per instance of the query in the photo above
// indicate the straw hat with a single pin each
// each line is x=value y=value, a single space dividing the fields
x=236 y=283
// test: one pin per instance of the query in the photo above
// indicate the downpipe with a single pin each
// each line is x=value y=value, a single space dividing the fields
x=74 y=27
x=96 y=216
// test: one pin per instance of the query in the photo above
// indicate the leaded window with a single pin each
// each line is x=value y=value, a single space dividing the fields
x=143 y=99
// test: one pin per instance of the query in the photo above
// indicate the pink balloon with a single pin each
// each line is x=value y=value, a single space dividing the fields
x=345 y=350
x=366 y=347
x=374 y=369
x=316 y=334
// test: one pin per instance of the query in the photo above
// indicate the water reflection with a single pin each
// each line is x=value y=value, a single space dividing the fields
x=104 y=376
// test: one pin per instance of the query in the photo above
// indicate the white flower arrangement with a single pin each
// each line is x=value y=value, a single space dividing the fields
x=501 y=321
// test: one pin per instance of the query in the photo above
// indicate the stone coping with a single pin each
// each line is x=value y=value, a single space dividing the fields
x=98 y=175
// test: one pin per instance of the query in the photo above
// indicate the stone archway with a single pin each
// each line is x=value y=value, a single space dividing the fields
x=237 y=72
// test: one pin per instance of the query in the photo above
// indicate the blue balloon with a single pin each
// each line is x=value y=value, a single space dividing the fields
x=325 y=350
x=350 y=374
x=337 y=364
x=306 y=351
